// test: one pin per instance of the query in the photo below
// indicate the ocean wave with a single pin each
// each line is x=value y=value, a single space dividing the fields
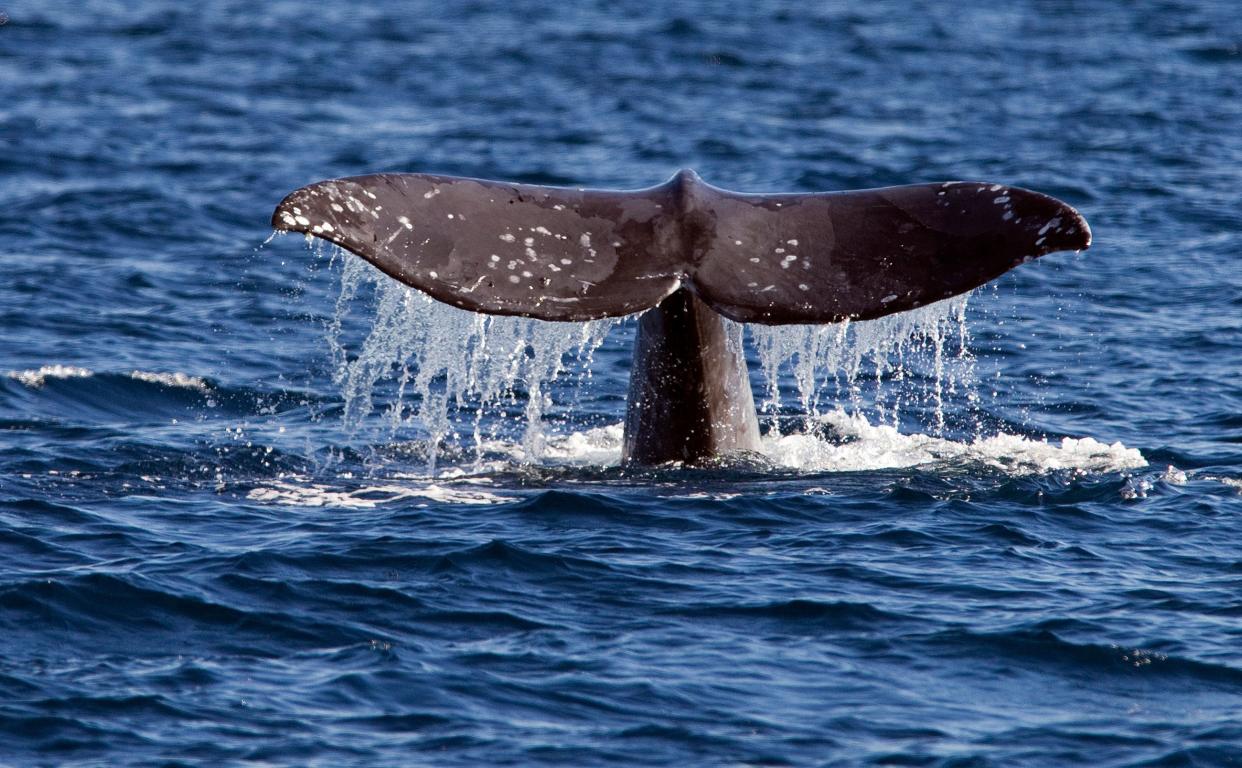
x=1041 y=648
x=36 y=378
x=131 y=617
x=836 y=614
x=314 y=494
x=175 y=379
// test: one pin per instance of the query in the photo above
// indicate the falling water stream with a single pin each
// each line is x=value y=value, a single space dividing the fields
x=896 y=391
x=459 y=366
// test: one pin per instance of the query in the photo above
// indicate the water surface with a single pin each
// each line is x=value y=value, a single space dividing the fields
x=213 y=552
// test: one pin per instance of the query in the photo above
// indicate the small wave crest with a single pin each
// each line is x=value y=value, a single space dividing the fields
x=308 y=494
x=36 y=378
x=175 y=379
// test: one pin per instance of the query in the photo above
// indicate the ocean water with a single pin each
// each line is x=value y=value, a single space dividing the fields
x=260 y=506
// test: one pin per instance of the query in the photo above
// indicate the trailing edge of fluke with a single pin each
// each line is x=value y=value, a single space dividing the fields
x=690 y=253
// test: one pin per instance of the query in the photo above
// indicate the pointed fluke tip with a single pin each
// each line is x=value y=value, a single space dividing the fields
x=1068 y=230
x=288 y=217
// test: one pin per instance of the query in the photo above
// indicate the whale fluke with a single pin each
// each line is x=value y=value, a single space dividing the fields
x=693 y=252
x=559 y=253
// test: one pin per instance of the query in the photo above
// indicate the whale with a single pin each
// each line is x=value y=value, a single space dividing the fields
x=695 y=259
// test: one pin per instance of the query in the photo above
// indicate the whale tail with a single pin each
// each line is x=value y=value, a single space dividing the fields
x=559 y=253
x=689 y=253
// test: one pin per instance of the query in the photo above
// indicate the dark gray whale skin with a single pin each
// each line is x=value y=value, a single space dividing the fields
x=690 y=397
x=691 y=251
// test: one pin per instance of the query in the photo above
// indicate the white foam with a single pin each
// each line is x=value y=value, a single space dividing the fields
x=857 y=445
x=864 y=446
x=36 y=378
x=320 y=495
x=175 y=379
x=1229 y=482
x=600 y=446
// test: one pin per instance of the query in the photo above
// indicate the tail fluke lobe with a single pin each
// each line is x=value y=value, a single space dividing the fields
x=815 y=258
x=577 y=254
x=499 y=248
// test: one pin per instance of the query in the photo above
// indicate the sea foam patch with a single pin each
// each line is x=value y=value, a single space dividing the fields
x=866 y=446
x=38 y=377
x=322 y=495
x=858 y=445
x=175 y=379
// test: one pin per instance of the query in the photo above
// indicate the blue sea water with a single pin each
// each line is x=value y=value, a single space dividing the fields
x=213 y=553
